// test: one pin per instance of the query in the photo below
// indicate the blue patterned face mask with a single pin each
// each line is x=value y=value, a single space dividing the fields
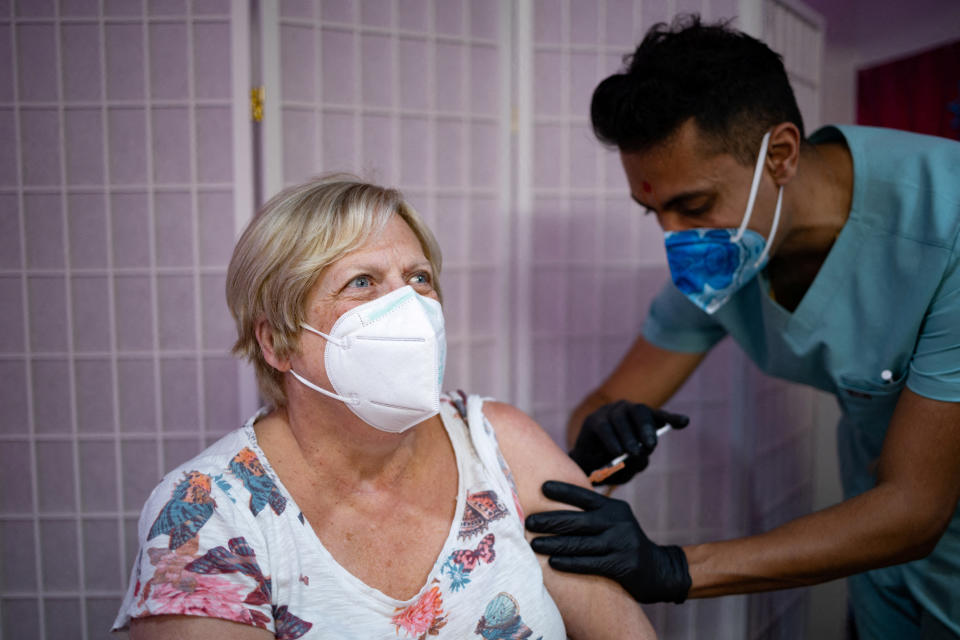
x=710 y=265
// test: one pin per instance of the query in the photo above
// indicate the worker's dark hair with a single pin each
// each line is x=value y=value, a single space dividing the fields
x=733 y=86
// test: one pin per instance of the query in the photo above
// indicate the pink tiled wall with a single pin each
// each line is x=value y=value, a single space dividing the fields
x=116 y=217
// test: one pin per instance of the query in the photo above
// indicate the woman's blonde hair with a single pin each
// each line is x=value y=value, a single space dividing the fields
x=283 y=250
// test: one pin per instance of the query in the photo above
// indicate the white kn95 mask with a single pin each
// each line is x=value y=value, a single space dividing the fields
x=385 y=359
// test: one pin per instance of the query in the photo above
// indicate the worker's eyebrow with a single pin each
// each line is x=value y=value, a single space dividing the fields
x=677 y=200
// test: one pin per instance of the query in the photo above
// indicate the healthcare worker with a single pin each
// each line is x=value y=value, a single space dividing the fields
x=832 y=260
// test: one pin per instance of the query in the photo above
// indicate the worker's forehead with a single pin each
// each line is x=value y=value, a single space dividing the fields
x=657 y=174
x=687 y=147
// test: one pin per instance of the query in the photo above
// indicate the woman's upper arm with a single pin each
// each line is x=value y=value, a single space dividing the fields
x=591 y=606
x=193 y=628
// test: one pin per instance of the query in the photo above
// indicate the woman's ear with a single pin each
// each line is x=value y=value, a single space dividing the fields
x=264 y=334
x=783 y=152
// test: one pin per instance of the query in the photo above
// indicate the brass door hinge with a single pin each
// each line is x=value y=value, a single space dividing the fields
x=256 y=104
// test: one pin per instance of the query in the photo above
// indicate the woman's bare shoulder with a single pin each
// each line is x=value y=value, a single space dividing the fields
x=533 y=455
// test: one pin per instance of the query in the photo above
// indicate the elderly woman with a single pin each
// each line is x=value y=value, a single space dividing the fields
x=362 y=503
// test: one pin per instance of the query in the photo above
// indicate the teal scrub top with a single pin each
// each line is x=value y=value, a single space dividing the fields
x=886 y=299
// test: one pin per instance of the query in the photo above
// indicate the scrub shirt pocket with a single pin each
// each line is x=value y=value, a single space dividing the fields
x=866 y=397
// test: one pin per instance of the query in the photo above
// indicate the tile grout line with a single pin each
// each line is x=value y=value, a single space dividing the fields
x=152 y=241
x=71 y=362
x=27 y=337
x=194 y=201
x=111 y=302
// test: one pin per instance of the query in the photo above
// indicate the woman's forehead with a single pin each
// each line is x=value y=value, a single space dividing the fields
x=393 y=239
x=387 y=246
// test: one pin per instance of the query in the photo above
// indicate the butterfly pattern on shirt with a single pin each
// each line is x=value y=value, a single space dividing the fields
x=482 y=508
x=236 y=557
x=501 y=620
x=263 y=491
x=188 y=509
x=462 y=562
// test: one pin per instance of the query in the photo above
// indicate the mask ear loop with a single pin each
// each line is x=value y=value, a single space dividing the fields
x=757 y=172
x=307 y=383
x=304 y=325
x=330 y=394
x=773 y=230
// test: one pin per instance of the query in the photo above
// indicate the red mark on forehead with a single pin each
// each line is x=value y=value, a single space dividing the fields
x=646 y=187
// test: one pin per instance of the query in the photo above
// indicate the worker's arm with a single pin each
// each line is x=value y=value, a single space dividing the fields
x=900 y=519
x=621 y=416
x=647 y=375
x=592 y=607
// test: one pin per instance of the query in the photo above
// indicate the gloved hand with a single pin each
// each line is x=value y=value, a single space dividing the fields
x=605 y=539
x=617 y=428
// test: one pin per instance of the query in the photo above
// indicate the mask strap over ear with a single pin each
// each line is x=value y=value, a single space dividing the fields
x=773 y=229
x=757 y=172
x=351 y=400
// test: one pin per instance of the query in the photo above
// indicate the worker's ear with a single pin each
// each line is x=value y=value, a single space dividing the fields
x=783 y=152
x=265 y=336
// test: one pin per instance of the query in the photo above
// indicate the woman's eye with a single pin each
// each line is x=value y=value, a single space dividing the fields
x=360 y=282
x=420 y=278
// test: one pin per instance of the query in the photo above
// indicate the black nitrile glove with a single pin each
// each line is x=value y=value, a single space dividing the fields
x=605 y=539
x=618 y=428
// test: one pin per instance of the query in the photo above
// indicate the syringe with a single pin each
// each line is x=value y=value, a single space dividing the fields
x=618 y=463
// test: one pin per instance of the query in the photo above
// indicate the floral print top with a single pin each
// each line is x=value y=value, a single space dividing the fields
x=221 y=537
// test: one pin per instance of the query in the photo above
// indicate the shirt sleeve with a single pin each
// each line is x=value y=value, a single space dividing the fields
x=935 y=366
x=676 y=324
x=200 y=554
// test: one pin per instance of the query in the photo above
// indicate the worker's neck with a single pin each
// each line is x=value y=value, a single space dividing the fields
x=818 y=198
x=817 y=204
